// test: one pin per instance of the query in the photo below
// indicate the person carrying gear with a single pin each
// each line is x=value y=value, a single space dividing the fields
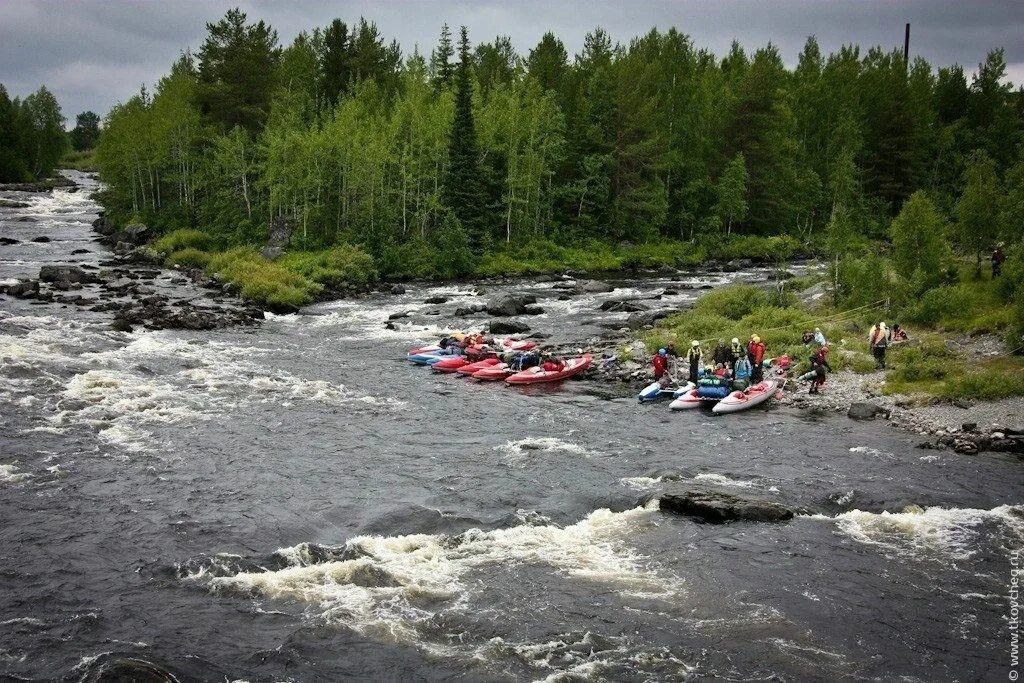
x=878 y=340
x=821 y=358
x=660 y=363
x=816 y=377
x=736 y=352
x=695 y=357
x=755 y=352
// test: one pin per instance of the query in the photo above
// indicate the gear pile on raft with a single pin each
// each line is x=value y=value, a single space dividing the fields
x=509 y=360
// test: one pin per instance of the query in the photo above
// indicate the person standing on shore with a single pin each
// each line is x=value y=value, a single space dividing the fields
x=721 y=355
x=736 y=352
x=755 y=352
x=997 y=262
x=878 y=339
x=660 y=363
x=695 y=358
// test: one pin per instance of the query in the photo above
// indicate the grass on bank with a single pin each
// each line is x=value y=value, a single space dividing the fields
x=283 y=285
x=926 y=367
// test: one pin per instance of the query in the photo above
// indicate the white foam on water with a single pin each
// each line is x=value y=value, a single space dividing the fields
x=874 y=452
x=722 y=480
x=951 y=532
x=396 y=582
x=929 y=458
x=517 y=451
x=640 y=483
x=10 y=474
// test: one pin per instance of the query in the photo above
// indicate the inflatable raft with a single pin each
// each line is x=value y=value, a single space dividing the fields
x=536 y=375
x=741 y=400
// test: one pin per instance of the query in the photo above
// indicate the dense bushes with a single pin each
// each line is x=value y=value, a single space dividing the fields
x=334 y=267
x=183 y=239
x=262 y=281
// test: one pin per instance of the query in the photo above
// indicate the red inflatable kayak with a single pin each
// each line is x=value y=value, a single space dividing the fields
x=495 y=372
x=536 y=375
x=470 y=368
x=450 y=364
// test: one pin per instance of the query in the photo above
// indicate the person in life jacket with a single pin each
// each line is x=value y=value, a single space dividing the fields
x=878 y=340
x=660 y=363
x=736 y=351
x=695 y=357
x=898 y=334
x=755 y=352
x=821 y=358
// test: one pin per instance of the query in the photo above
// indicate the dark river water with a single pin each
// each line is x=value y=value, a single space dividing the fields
x=296 y=502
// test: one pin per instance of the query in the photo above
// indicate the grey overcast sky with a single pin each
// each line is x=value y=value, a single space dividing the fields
x=94 y=53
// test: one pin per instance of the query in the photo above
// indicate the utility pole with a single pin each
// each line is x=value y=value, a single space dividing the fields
x=906 y=46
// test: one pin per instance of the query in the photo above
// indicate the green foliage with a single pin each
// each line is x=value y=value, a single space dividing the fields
x=86 y=131
x=732 y=186
x=191 y=257
x=80 y=161
x=32 y=138
x=977 y=210
x=933 y=370
x=260 y=281
x=732 y=302
x=183 y=239
x=920 y=253
x=335 y=267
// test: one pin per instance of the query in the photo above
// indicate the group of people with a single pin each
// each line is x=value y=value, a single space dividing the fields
x=740 y=364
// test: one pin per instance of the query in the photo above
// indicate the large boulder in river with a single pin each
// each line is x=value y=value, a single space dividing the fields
x=643 y=319
x=596 y=287
x=865 y=410
x=136 y=233
x=27 y=289
x=507 y=327
x=507 y=305
x=104 y=226
x=717 y=507
x=621 y=306
x=63 y=274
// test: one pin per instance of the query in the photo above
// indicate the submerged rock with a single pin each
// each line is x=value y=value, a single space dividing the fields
x=622 y=306
x=436 y=300
x=7 y=241
x=28 y=289
x=717 y=507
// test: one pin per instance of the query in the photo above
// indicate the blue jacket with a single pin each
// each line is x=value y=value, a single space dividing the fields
x=743 y=369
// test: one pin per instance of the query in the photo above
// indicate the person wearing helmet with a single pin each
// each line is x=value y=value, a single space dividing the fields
x=736 y=352
x=695 y=358
x=755 y=352
x=878 y=340
x=660 y=364
x=819 y=337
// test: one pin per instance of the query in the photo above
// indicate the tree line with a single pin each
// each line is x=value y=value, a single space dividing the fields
x=32 y=138
x=476 y=146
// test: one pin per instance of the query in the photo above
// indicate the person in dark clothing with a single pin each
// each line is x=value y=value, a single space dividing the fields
x=997 y=262
x=821 y=358
x=878 y=340
x=736 y=351
x=721 y=355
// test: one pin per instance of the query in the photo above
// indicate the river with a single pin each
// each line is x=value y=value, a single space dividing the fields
x=294 y=501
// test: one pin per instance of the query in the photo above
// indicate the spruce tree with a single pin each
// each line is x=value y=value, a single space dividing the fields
x=441 y=67
x=463 y=192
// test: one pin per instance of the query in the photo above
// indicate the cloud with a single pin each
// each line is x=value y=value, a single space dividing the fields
x=94 y=53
